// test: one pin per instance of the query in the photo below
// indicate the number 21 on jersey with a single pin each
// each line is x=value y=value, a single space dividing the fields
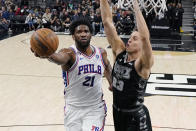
x=89 y=81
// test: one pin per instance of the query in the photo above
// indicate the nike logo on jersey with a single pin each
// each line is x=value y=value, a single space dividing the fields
x=90 y=68
x=97 y=56
x=81 y=58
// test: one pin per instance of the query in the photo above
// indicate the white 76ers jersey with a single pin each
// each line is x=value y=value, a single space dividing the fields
x=83 y=81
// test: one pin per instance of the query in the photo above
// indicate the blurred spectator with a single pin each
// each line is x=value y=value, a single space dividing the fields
x=174 y=17
x=169 y=14
x=92 y=16
x=36 y=21
x=39 y=21
x=89 y=4
x=29 y=20
x=114 y=16
x=46 y=18
x=97 y=24
x=83 y=5
x=180 y=12
x=70 y=5
x=128 y=25
x=79 y=7
x=96 y=5
x=150 y=18
x=195 y=28
x=30 y=10
x=64 y=4
x=119 y=25
x=11 y=14
x=17 y=10
x=8 y=2
x=5 y=13
x=66 y=24
x=24 y=11
x=3 y=22
x=75 y=16
x=85 y=15
x=79 y=12
x=55 y=21
x=64 y=15
x=36 y=12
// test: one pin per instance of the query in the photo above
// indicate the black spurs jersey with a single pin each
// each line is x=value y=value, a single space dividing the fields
x=128 y=86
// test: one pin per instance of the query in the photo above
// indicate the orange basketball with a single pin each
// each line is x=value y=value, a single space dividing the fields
x=44 y=42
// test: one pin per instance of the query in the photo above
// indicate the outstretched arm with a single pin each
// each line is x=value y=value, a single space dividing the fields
x=146 y=59
x=65 y=58
x=114 y=40
x=62 y=57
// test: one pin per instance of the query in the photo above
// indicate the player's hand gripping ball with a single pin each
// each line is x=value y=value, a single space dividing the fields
x=44 y=42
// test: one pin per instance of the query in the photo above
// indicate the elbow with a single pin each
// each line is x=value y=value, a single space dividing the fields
x=145 y=36
x=144 y=33
x=106 y=22
x=151 y=62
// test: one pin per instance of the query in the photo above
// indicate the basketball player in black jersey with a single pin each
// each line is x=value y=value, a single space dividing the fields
x=133 y=62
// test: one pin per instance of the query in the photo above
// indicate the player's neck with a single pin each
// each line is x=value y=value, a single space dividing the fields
x=87 y=51
x=131 y=56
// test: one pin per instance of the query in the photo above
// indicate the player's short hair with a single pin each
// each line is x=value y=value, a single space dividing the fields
x=78 y=22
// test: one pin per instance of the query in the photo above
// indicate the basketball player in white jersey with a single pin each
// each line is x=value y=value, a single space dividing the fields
x=83 y=66
x=133 y=62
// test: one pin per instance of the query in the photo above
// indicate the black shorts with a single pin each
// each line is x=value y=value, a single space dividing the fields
x=138 y=120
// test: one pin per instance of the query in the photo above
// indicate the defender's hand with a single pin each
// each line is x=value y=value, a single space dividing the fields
x=110 y=88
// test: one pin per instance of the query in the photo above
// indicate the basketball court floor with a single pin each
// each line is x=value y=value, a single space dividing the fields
x=31 y=89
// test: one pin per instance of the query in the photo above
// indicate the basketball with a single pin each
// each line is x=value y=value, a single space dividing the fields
x=44 y=42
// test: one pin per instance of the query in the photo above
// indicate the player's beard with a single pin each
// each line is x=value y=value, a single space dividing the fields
x=83 y=45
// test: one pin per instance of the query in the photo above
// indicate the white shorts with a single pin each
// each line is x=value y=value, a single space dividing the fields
x=85 y=118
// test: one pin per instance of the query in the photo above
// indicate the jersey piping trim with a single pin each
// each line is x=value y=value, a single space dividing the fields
x=105 y=109
x=66 y=78
x=101 y=58
x=89 y=57
x=75 y=63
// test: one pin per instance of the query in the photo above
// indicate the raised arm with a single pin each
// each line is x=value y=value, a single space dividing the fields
x=146 y=59
x=114 y=40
